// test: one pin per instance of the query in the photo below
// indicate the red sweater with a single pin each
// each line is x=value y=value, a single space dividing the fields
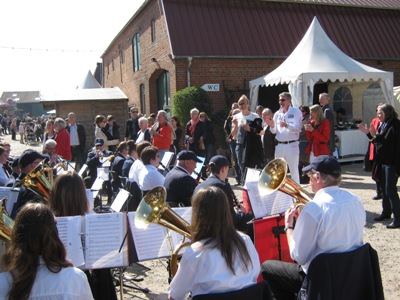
x=63 y=144
x=163 y=140
x=319 y=138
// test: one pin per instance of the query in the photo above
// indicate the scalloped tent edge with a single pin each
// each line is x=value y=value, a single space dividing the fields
x=316 y=58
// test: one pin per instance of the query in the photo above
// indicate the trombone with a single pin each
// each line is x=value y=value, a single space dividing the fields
x=6 y=223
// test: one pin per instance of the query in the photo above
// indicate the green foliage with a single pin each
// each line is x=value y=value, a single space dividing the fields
x=189 y=98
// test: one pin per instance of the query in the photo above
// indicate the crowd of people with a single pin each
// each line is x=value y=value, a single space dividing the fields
x=222 y=256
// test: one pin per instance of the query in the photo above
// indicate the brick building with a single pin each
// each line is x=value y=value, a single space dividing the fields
x=172 y=44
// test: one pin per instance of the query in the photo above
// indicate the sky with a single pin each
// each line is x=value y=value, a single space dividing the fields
x=52 y=44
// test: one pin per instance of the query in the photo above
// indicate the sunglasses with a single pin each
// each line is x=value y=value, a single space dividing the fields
x=241 y=104
x=134 y=112
x=282 y=100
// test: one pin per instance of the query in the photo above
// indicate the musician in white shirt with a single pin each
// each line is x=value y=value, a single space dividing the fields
x=149 y=176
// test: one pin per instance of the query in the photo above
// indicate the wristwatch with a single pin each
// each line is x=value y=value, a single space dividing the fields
x=289 y=227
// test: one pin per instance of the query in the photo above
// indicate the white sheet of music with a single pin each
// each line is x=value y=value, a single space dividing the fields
x=156 y=241
x=120 y=200
x=69 y=231
x=166 y=160
x=104 y=235
x=267 y=205
x=199 y=166
x=90 y=198
x=97 y=184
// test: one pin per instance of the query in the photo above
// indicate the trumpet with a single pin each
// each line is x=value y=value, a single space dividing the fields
x=274 y=177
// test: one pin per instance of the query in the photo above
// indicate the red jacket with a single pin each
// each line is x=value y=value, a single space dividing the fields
x=319 y=138
x=163 y=140
x=63 y=144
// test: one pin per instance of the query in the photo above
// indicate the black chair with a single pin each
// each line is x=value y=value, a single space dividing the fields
x=348 y=275
x=259 y=291
x=136 y=195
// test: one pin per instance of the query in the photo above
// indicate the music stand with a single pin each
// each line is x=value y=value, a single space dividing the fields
x=166 y=161
x=83 y=170
x=197 y=172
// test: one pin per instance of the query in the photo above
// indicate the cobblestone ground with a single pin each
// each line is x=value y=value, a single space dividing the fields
x=386 y=242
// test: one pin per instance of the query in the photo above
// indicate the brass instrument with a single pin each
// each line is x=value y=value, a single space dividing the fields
x=6 y=223
x=41 y=179
x=274 y=177
x=154 y=209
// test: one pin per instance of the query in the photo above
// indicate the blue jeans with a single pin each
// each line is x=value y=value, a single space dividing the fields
x=239 y=156
x=390 y=201
x=236 y=165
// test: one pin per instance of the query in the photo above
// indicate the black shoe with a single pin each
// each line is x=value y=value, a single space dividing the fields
x=377 y=197
x=393 y=225
x=382 y=217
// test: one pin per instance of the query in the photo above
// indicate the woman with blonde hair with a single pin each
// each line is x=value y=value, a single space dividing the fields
x=318 y=133
x=220 y=259
x=35 y=260
x=99 y=131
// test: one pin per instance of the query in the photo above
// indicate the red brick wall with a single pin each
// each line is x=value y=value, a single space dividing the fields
x=232 y=74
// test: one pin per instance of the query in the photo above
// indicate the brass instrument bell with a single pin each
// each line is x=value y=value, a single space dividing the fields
x=274 y=177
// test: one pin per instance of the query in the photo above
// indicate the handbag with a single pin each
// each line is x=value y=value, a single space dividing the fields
x=376 y=172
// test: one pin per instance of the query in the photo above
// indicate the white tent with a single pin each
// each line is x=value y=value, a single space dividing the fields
x=316 y=58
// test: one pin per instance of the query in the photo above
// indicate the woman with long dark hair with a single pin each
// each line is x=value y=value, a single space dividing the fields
x=220 y=259
x=35 y=261
x=68 y=198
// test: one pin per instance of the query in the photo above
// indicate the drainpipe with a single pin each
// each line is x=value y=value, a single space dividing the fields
x=188 y=70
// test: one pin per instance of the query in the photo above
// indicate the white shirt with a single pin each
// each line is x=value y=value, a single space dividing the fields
x=69 y=284
x=203 y=270
x=135 y=170
x=3 y=176
x=333 y=222
x=73 y=135
x=293 y=118
x=149 y=178
x=243 y=119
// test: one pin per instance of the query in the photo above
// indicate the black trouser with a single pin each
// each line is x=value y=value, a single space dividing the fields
x=285 y=279
x=77 y=156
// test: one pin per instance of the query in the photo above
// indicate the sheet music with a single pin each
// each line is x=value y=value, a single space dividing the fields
x=152 y=242
x=199 y=165
x=97 y=184
x=90 y=198
x=251 y=175
x=267 y=205
x=69 y=231
x=12 y=198
x=104 y=235
x=103 y=173
x=120 y=200
x=166 y=160
x=83 y=170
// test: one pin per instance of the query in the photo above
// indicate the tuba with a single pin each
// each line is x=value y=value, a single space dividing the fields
x=274 y=177
x=6 y=223
x=154 y=209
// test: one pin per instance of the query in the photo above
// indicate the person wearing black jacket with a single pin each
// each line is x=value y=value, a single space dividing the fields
x=387 y=153
x=219 y=166
x=132 y=125
x=112 y=131
x=77 y=136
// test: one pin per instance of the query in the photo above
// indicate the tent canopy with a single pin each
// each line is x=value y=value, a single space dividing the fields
x=316 y=58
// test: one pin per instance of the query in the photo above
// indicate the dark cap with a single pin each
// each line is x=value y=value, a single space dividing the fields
x=99 y=142
x=29 y=157
x=325 y=164
x=219 y=161
x=15 y=162
x=188 y=155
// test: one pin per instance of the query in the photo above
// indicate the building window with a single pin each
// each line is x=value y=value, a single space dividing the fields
x=343 y=104
x=136 y=52
x=112 y=64
x=142 y=99
x=153 y=30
